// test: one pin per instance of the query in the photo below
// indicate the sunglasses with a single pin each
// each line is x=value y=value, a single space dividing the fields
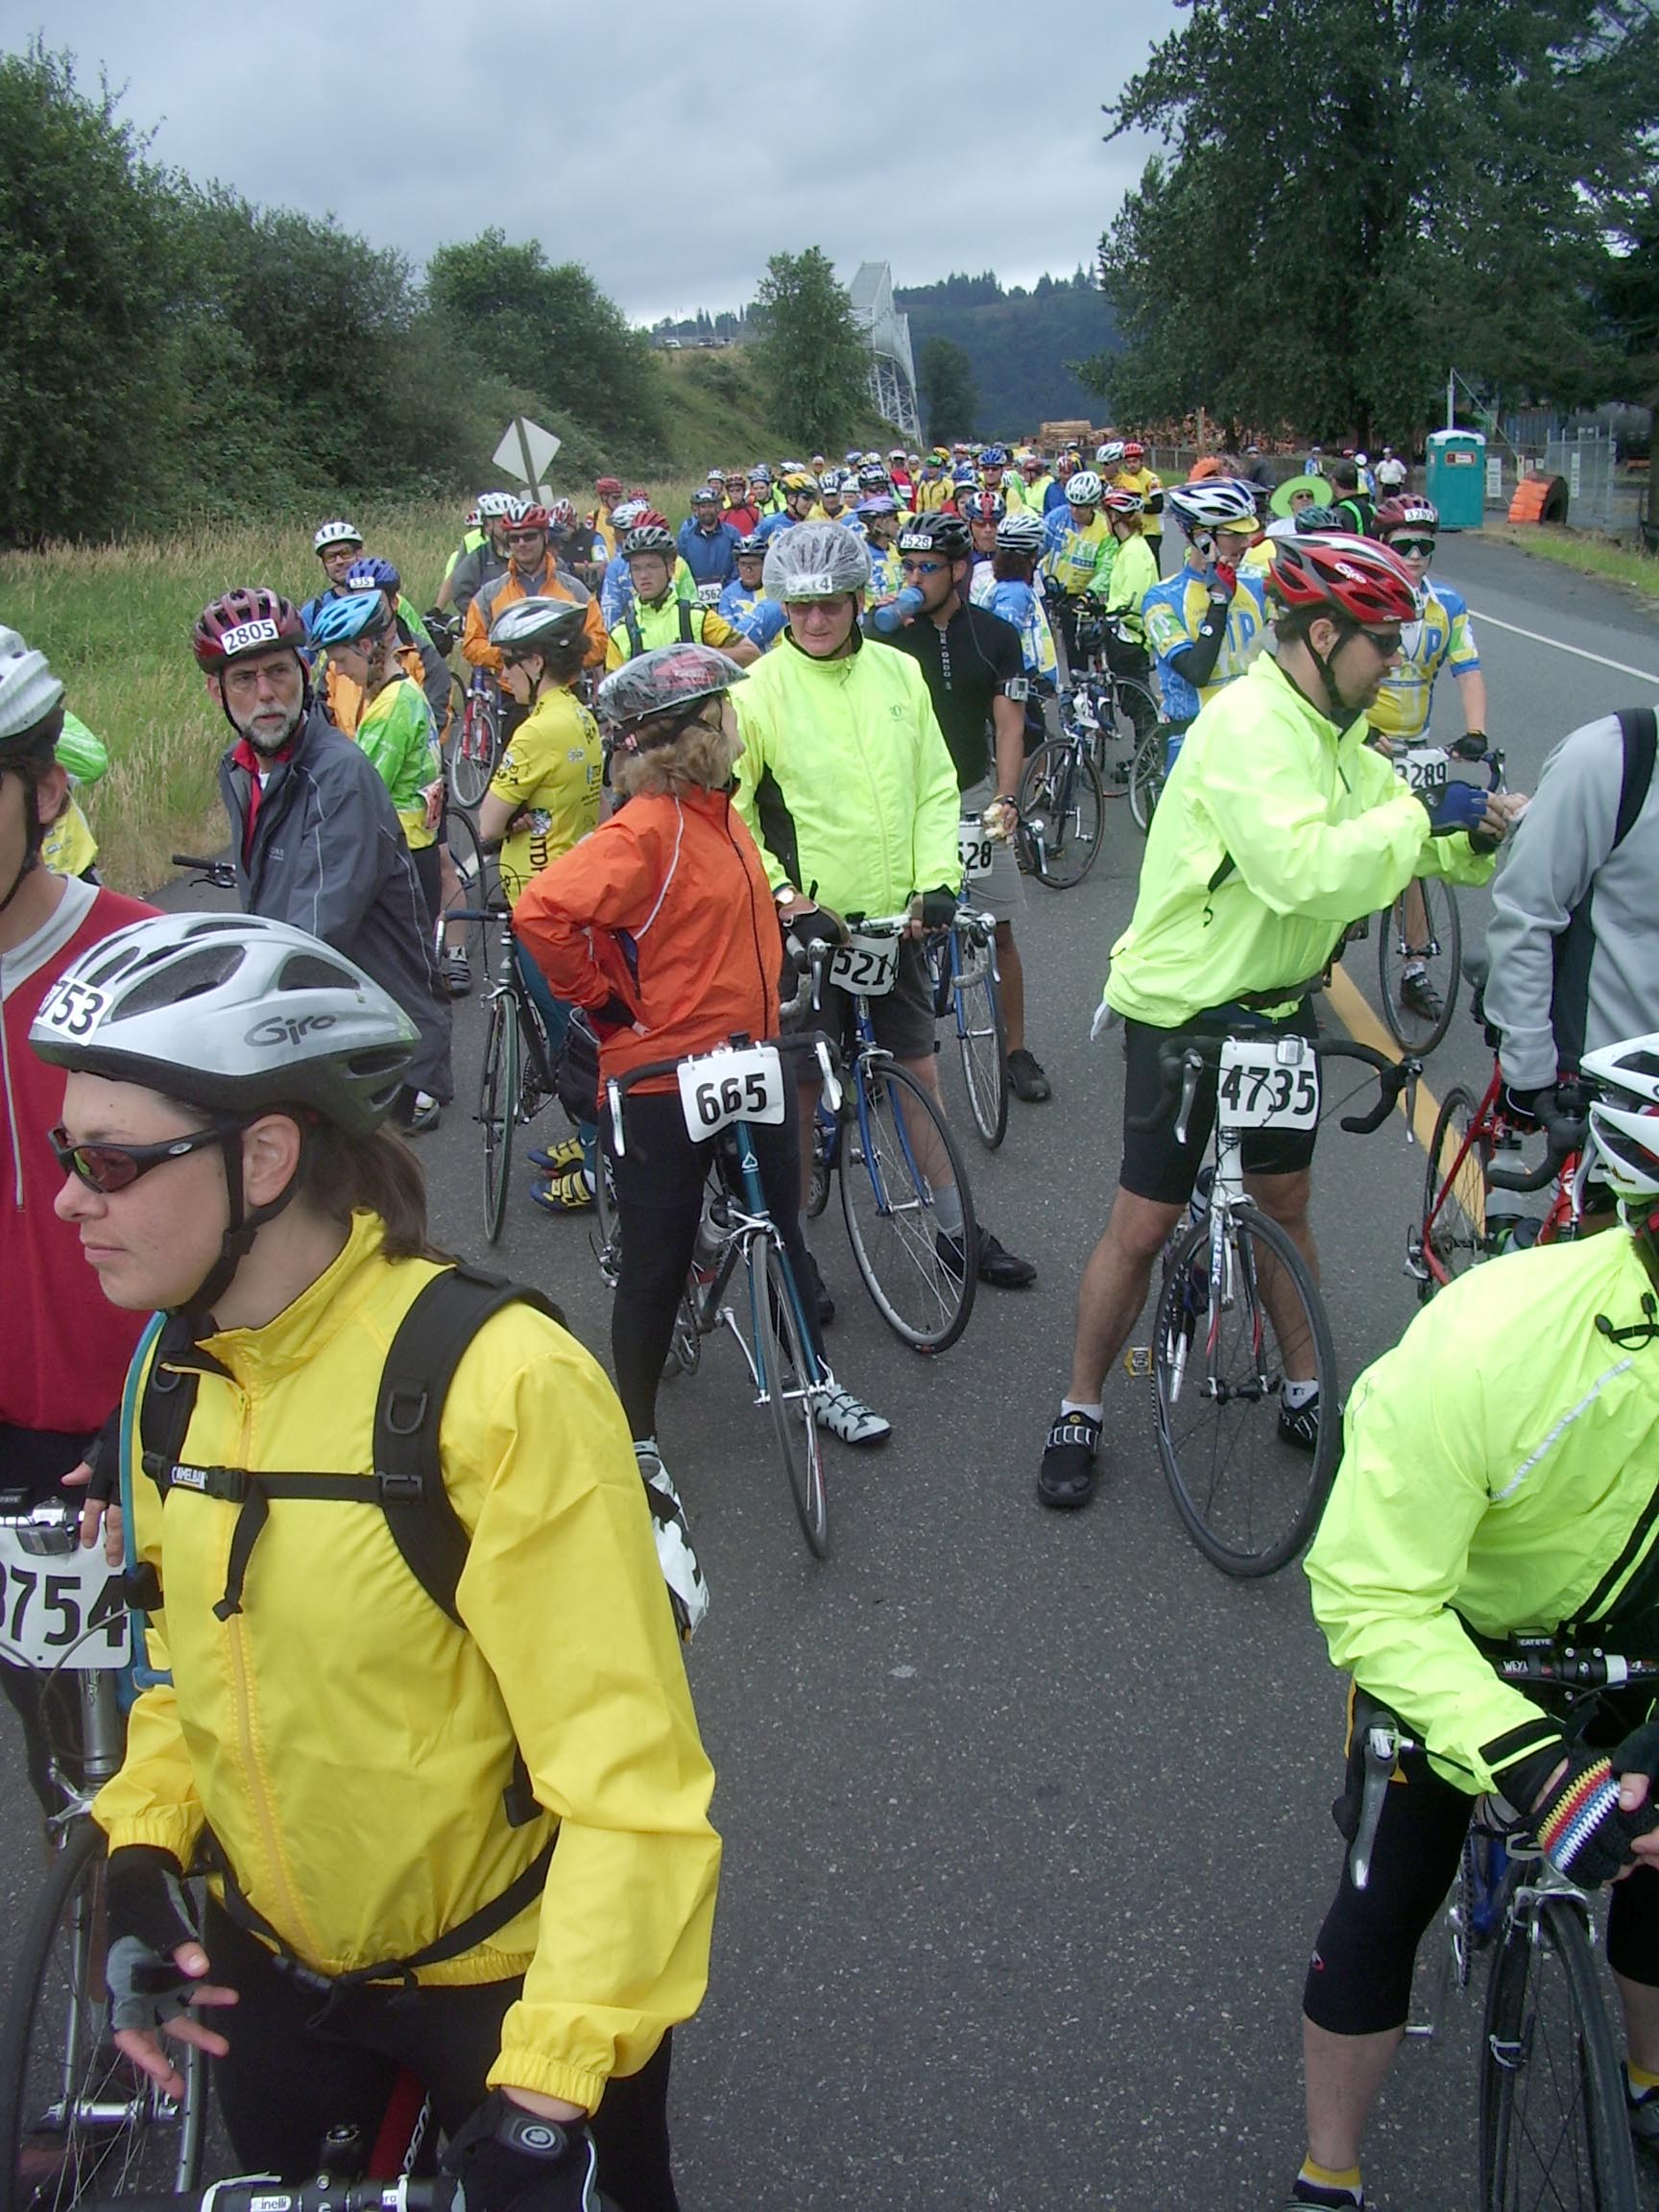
x=922 y=568
x=110 y=1168
x=1423 y=547
x=1383 y=642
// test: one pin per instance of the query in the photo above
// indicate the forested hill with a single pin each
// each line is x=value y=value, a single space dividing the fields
x=1018 y=343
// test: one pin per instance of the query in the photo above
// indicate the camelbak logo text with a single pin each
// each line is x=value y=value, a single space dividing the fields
x=189 y=1478
x=245 y=634
x=287 y=1028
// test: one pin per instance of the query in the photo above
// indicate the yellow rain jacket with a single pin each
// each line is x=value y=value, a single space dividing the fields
x=348 y=1745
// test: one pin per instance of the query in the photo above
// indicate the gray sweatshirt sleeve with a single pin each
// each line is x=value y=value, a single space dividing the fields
x=1563 y=838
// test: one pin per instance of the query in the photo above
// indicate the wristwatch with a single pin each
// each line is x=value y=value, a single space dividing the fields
x=530 y=2133
x=785 y=894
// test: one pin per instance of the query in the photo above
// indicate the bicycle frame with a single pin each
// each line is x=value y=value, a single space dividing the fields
x=1563 y=1217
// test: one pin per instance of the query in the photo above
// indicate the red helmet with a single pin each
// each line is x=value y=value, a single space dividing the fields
x=1132 y=451
x=608 y=487
x=983 y=506
x=651 y=520
x=1405 y=511
x=247 y=620
x=1353 y=577
x=528 y=518
x=562 y=515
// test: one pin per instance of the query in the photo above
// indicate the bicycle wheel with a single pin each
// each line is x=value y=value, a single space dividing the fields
x=788 y=1382
x=1146 y=779
x=1552 y=2124
x=1249 y=1499
x=473 y=755
x=982 y=1040
x=824 y=1153
x=1452 y=1236
x=461 y=835
x=606 y=1234
x=1126 y=712
x=78 y=2122
x=498 y=1108
x=1062 y=808
x=889 y=1207
x=1438 y=951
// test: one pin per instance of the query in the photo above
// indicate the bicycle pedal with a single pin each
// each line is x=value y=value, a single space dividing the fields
x=1138 y=1361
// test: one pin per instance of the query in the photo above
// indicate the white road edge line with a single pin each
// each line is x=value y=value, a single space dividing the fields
x=1577 y=651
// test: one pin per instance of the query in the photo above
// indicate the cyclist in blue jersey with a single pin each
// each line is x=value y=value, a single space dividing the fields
x=982 y=510
x=799 y=498
x=1078 y=551
x=879 y=516
x=1206 y=623
x=744 y=603
x=708 y=545
x=1006 y=584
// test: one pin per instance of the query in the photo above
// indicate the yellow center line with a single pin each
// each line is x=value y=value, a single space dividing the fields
x=1351 y=1008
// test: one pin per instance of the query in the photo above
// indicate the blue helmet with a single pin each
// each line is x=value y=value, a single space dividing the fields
x=374 y=576
x=995 y=456
x=359 y=614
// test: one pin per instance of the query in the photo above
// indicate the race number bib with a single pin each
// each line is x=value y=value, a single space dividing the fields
x=973 y=846
x=709 y=595
x=866 y=965
x=1424 y=768
x=52 y=1599
x=745 y=1084
x=71 y=1008
x=1267 y=1083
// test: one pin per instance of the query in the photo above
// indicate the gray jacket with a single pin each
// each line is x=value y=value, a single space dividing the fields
x=1574 y=939
x=328 y=855
x=482 y=565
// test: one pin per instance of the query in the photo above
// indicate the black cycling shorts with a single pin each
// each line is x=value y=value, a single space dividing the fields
x=1155 y=1165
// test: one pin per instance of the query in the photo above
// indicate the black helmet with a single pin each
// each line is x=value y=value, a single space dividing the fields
x=947 y=535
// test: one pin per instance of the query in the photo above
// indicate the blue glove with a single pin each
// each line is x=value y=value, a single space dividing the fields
x=1458 y=806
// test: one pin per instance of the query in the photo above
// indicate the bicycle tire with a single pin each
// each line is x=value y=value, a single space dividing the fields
x=826 y=1153
x=1249 y=1501
x=57 y=2063
x=1443 y=957
x=1146 y=779
x=461 y=835
x=1552 y=2123
x=1132 y=710
x=788 y=1374
x=1453 y=1230
x=889 y=1209
x=472 y=755
x=498 y=1108
x=606 y=1235
x=1063 y=811
x=983 y=1044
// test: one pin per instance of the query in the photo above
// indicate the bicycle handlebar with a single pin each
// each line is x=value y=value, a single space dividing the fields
x=219 y=873
x=1565 y=1130
x=617 y=1087
x=1184 y=1059
x=325 y=2193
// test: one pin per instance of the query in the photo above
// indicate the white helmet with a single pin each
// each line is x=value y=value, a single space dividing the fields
x=1021 y=532
x=231 y=1013
x=1083 y=487
x=1214 y=503
x=1109 y=455
x=1625 y=1123
x=338 y=532
x=495 y=506
x=29 y=691
x=814 y=561
x=627 y=512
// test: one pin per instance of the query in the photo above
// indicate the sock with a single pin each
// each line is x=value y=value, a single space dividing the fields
x=1294 y=1396
x=1413 y=968
x=1076 y=1405
x=947 y=1206
x=644 y=1444
x=1322 y=2186
x=1642 y=2082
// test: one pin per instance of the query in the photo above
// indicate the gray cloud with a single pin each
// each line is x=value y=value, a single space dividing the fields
x=671 y=149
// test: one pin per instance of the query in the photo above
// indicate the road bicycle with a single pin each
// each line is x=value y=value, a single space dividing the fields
x=78 y=2122
x=967 y=986
x=1117 y=711
x=1240 y=1311
x=209 y=875
x=892 y=1151
x=723 y=1095
x=460 y=925
x=1423 y=931
x=515 y=1077
x=476 y=746
x=1553 y=2129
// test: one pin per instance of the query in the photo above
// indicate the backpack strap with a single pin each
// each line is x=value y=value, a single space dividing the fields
x=686 y=637
x=1639 y=733
x=636 y=636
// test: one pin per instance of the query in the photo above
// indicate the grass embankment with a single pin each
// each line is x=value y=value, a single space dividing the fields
x=1585 y=552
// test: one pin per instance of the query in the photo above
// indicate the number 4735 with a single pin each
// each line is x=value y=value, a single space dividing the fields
x=1271 y=1090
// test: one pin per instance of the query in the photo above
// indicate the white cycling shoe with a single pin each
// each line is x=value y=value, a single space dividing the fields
x=847 y=1418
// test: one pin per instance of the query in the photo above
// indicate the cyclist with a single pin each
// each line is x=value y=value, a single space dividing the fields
x=338 y=546
x=532 y=573
x=709 y=546
x=421 y=660
x=1036 y=479
x=744 y=603
x=800 y=504
x=70 y=848
x=487 y=561
x=472 y=536
x=763 y=496
x=1279 y=827
x=1077 y=556
x=878 y=514
x=662 y=924
x=982 y=510
x=314 y=836
x=1497 y=1474
x=1572 y=943
x=65 y=1353
x=1006 y=584
x=1133 y=573
x=973 y=664
x=259 y=1202
x=849 y=788
x=1353 y=502
x=1134 y=475
x=999 y=476
x=656 y=614
x=930 y=488
x=1204 y=624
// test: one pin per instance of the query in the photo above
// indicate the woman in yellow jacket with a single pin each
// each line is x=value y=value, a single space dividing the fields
x=376 y=1771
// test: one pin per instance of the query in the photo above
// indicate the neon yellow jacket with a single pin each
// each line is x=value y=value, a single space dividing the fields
x=1134 y=572
x=1498 y=1465
x=1273 y=834
x=69 y=847
x=397 y=732
x=348 y=1745
x=865 y=799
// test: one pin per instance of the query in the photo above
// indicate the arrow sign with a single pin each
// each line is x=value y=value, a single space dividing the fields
x=525 y=450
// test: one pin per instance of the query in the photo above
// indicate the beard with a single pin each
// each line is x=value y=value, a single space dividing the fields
x=270 y=732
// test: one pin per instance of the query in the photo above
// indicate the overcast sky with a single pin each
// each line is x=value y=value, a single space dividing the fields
x=667 y=147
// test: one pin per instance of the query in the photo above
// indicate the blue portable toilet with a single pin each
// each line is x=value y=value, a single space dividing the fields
x=1458 y=477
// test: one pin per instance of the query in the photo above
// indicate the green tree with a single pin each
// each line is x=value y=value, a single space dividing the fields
x=949 y=398
x=549 y=330
x=1442 y=194
x=812 y=360
x=85 y=283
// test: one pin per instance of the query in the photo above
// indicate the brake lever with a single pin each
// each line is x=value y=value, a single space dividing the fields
x=1191 y=1068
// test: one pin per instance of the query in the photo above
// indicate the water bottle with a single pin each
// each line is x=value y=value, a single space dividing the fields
x=893 y=615
x=710 y=1240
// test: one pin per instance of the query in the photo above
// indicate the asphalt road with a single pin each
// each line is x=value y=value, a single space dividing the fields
x=1026 y=1814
